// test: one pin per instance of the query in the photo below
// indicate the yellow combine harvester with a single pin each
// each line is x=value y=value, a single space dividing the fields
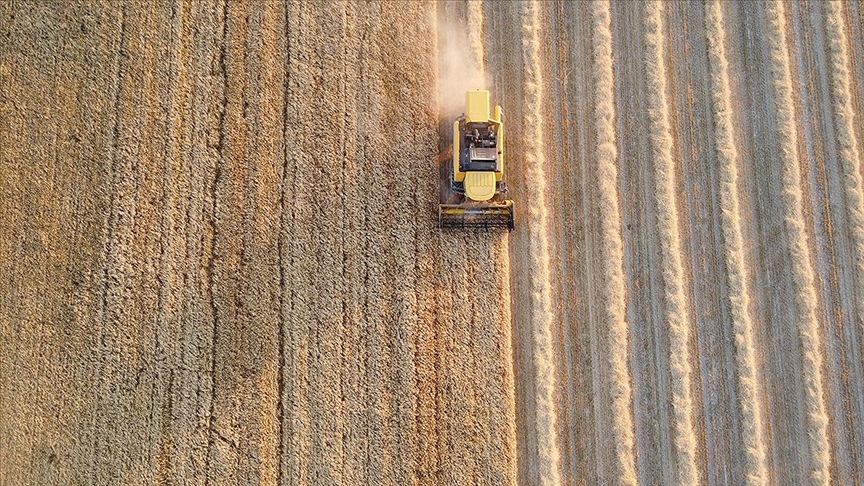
x=474 y=195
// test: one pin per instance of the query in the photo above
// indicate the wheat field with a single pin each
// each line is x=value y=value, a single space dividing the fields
x=219 y=259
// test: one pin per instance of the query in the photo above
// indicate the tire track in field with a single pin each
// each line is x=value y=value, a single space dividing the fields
x=612 y=252
x=675 y=302
x=286 y=220
x=549 y=455
x=168 y=351
x=818 y=452
x=749 y=400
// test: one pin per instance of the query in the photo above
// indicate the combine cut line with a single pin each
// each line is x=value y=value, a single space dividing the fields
x=844 y=126
x=802 y=271
x=739 y=297
x=675 y=303
x=541 y=305
x=611 y=242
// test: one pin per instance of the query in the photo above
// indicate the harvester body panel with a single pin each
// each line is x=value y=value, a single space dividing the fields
x=480 y=186
x=477 y=106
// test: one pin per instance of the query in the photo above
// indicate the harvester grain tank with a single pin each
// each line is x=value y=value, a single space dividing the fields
x=475 y=194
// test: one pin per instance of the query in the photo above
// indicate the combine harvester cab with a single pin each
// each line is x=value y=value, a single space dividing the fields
x=474 y=195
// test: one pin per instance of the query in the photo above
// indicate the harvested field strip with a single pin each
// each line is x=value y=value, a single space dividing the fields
x=848 y=418
x=611 y=248
x=675 y=304
x=541 y=305
x=566 y=23
x=749 y=399
x=832 y=239
x=799 y=256
x=844 y=126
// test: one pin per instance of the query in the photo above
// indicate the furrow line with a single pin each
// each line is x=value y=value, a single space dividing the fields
x=727 y=157
x=612 y=246
x=541 y=305
x=675 y=302
x=799 y=255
